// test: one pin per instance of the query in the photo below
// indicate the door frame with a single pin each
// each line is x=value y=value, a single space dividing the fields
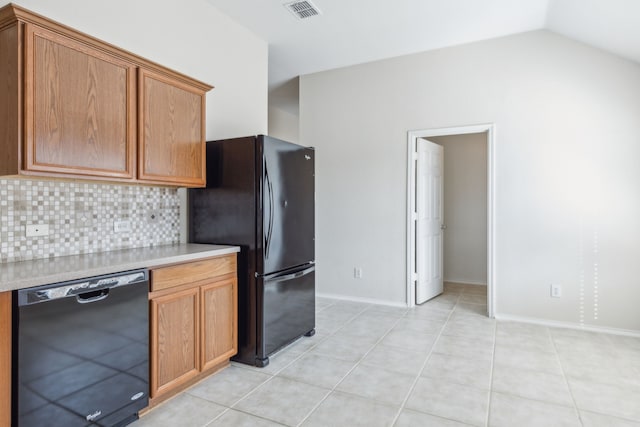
x=412 y=136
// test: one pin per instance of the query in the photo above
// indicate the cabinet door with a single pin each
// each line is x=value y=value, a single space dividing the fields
x=175 y=356
x=170 y=131
x=10 y=99
x=219 y=321
x=80 y=105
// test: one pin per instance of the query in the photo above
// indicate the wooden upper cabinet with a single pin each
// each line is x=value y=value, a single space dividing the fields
x=171 y=136
x=10 y=101
x=75 y=106
x=80 y=108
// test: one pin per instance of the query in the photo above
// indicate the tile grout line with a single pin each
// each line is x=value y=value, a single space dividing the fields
x=275 y=373
x=354 y=366
x=302 y=354
x=357 y=364
x=232 y=406
x=426 y=360
x=396 y=318
x=493 y=363
x=564 y=376
x=226 y=409
x=246 y=413
x=260 y=386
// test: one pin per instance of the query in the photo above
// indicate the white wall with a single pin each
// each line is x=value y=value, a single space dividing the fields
x=191 y=37
x=283 y=124
x=567 y=176
x=465 y=207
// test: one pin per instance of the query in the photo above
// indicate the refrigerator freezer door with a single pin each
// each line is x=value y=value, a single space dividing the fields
x=288 y=195
x=289 y=307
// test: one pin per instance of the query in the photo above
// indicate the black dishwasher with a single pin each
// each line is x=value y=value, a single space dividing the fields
x=81 y=349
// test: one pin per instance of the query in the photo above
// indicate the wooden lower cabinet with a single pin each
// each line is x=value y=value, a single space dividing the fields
x=218 y=308
x=193 y=324
x=175 y=327
x=5 y=358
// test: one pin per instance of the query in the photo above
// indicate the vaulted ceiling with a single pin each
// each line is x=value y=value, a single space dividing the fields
x=349 y=32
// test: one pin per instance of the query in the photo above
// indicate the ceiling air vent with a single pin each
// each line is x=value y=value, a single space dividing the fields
x=302 y=9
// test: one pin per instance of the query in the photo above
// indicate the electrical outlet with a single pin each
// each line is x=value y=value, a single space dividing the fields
x=121 y=226
x=37 y=230
x=556 y=291
x=357 y=272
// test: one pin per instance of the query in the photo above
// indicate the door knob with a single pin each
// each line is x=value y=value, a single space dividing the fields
x=443 y=227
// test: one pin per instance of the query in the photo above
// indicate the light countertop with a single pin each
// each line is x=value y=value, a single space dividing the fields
x=25 y=274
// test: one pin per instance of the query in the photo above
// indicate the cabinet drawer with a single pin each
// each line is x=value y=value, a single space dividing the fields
x=192 y=272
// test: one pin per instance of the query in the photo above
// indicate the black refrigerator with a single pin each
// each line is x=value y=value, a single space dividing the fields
x=260 y=195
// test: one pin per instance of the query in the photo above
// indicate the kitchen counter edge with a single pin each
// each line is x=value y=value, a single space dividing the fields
x=27 y=274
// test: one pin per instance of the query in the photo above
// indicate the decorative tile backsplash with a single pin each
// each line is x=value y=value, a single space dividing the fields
x=81 y=217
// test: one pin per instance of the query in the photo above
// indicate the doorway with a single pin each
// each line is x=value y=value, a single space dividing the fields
x=415 y=138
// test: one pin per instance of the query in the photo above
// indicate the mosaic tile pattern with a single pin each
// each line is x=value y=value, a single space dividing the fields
x=81 y=217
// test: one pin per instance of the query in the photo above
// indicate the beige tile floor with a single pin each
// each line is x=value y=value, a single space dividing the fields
x=440 y=364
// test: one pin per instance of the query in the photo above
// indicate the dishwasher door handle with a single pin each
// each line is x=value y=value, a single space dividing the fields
x=95 y=296
x=83 y=290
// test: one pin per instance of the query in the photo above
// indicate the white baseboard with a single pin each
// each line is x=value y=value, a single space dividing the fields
x=465 y=282
x=363 y=300
x=568 y=325
x=500 y=316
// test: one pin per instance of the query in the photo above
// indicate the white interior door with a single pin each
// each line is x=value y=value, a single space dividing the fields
x=429 y=220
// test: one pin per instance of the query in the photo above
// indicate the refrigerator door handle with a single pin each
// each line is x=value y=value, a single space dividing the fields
x=269 y=231
x=290 y=276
